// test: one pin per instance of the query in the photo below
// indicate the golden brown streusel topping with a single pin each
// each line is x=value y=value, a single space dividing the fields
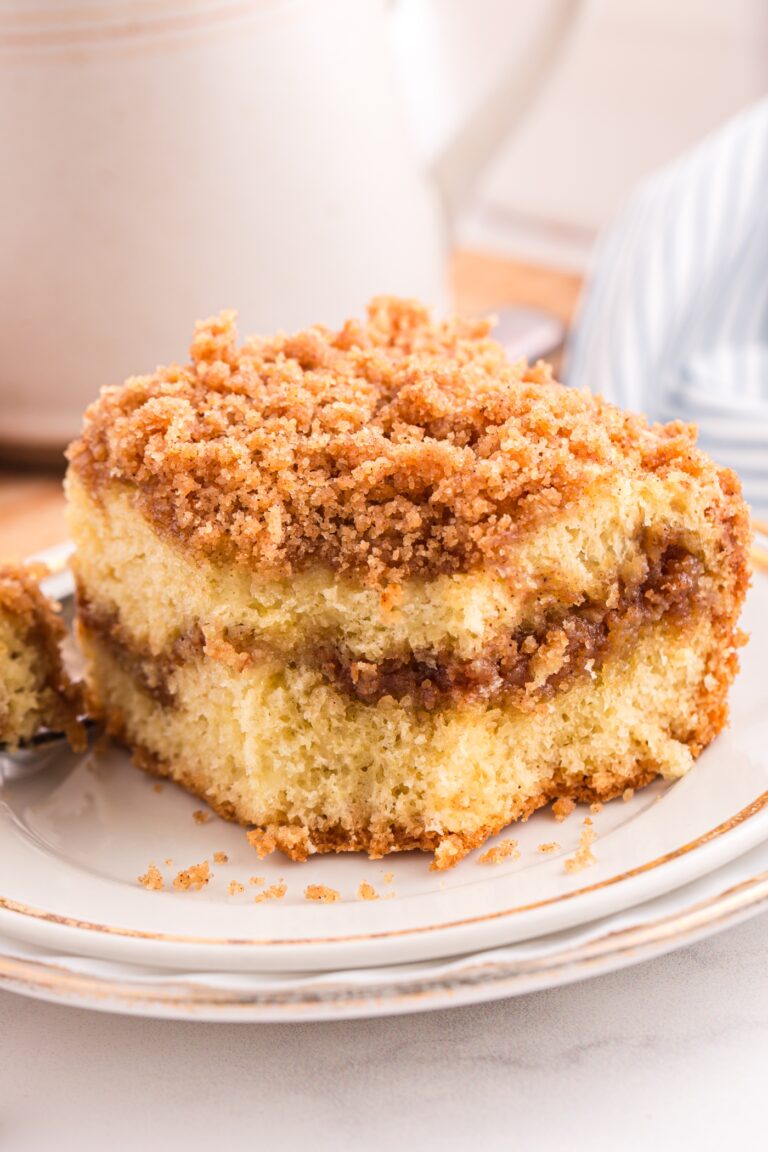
x=152 y=879
x=505 y=850
x=583 y=857
x=236 y=888
x=196 y=877
x=220 y=858
x=550 y=846
x=201 y=817
x=321 y=894
x=367 y=891
x=396 y=446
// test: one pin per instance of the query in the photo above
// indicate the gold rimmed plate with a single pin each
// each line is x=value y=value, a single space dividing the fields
x=77 y=832
x=682 y=917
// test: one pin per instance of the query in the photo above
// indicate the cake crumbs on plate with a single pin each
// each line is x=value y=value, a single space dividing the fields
x=168 y=861
x=596 y=807
x=388 y=877
x=321 y=894
x=274 y=892
x=583 y=856
x=152 y=879
x=196 y=877
x=263 y=841
x=627 y=794
x=158 y=787
x=257 y=881
x=367 y=891
x=236 y=888
x=201 y=817
x=562 y=808
x=550 y=846
x=505 y=850
x=389 y=895
x=220 y=858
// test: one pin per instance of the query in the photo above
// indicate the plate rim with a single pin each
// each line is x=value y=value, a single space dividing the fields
x=486 y=980
x=740 y=818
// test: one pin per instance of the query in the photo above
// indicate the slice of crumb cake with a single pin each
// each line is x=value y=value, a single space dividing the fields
x=379 y=589
x=36 y=691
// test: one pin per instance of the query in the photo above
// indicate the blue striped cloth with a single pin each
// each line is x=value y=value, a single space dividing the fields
x=674 y=319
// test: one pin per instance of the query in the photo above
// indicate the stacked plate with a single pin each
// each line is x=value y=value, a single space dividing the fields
x=669 y=865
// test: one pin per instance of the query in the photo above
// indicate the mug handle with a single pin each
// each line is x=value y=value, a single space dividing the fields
x=460 y=162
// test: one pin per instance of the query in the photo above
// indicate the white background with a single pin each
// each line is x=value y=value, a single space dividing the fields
x=671 y=1054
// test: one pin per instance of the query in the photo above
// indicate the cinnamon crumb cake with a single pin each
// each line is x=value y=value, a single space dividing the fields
x=36 y=691
x=380 y=589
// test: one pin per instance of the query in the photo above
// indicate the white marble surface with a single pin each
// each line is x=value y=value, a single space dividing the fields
x=667 y=1055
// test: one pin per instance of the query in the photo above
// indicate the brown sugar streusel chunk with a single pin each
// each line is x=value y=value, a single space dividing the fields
x=367 y=891
x=550 y=846
x=505 y=850
x=152 y=879
x=562 y=808
x=220 y=858
x=274 y=892
x=583 y=857
x=195 y=877
x=201 y=817
x=236 y=888
x=321 y=894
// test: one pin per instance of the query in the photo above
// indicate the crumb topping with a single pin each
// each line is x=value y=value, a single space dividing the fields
x=201 y=817
x=505 y=850
x=321 y=894
x=396 y=446
x=551 y=846
x=274 y=892
x=236 y=888
x=583 y=857
x=220 y=858
x=152 y=879
x=367 y=891
x=256 y=881
x=195 y=877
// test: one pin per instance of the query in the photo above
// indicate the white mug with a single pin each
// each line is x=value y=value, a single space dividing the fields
x=164 y=159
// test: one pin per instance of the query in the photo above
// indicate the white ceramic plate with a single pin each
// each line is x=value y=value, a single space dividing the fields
x=719 y=900
x=76 y=834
